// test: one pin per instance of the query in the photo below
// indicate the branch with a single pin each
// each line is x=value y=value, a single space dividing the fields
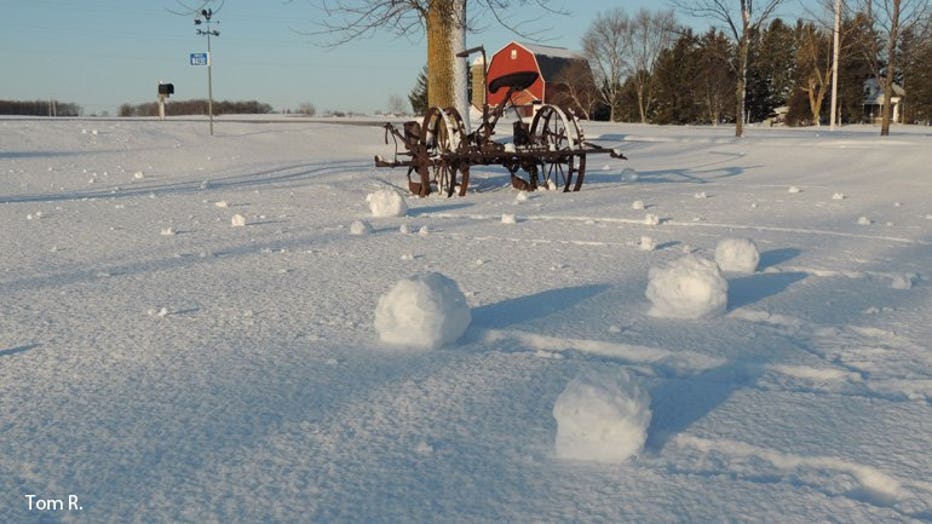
x=189 y=10
x=353 y=19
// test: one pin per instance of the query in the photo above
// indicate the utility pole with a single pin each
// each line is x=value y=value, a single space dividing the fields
x=834 y=111
x=207 y=14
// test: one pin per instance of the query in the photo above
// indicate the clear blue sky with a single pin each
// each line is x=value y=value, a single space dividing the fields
x=101 y=53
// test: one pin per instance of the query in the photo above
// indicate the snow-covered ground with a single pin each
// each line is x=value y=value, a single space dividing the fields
x=187 y=330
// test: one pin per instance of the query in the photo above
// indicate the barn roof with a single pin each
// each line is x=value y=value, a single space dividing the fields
x=555 y=52
x=552 y=60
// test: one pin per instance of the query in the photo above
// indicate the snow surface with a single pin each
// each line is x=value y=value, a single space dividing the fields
x=234 y=374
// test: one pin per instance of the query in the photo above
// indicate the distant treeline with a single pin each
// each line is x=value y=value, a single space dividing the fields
x=39 y=108
x=195 y=107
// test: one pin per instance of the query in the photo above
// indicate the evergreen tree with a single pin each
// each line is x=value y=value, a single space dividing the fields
x=675 y=80
x=418 y=95
x=916 y=76
x=626 y=105
x=771 y=70
x=716 y=78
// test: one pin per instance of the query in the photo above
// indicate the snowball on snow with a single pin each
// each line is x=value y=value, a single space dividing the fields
x=238 y=220
x=838 y=196
x=700 y=195
x=864 y=221
x=387 y=203
x=521 y=196
x=637 y=205
x=691 y=287
x=737 y=254
x=602 y=417
x=794 y=189
x=424 y=311
x=651 y=220
x=904 y=281
x=647 y=244
x=360 y=227
x=508 y=218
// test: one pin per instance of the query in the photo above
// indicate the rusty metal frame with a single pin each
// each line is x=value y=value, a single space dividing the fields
x=439 y=151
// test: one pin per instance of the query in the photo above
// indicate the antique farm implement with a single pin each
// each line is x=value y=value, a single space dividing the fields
x=548 y=152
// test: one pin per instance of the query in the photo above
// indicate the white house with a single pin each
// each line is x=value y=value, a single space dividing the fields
x=874 y=98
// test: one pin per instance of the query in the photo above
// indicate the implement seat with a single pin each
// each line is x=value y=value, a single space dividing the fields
x=515 y=81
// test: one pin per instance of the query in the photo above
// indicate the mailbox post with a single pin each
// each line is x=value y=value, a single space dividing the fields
x=165 y=91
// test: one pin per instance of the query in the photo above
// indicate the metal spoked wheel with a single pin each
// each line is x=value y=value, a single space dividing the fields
x=563 y=164
x=443 y=137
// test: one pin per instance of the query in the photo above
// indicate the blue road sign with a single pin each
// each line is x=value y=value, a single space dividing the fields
x=200 y=59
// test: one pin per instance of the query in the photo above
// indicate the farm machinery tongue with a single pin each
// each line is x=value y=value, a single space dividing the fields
x=549 y=152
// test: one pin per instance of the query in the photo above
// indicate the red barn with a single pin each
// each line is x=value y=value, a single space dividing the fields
x=556 y=66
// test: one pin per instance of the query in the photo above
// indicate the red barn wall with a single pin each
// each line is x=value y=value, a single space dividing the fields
x=514 y=58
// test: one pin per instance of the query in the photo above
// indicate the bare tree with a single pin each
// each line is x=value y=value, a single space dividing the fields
x=397 y=105
x=576 y=89
x=742 y=20
x=892 y=9
x=889 y=18
x=605 y=45
x=648 y=35
x=896 y=16
x=443 y=21
x=187 y=9
x=307 y=109
x=848 y=41
x=815 y=63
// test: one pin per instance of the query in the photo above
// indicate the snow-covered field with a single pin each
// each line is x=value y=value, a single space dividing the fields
x=188 y=330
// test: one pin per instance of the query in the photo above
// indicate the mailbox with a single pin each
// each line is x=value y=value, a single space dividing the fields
x=166 y=89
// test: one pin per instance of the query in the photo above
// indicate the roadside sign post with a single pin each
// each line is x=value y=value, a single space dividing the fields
x=198 y=59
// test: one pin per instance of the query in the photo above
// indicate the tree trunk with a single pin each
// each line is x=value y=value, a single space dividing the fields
x=439 y=54
x=742 y=83
x=891 y=63
x=743 y=44
x=459 y=65
x=641 y=111
x=836 y=44
x=817 y=91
